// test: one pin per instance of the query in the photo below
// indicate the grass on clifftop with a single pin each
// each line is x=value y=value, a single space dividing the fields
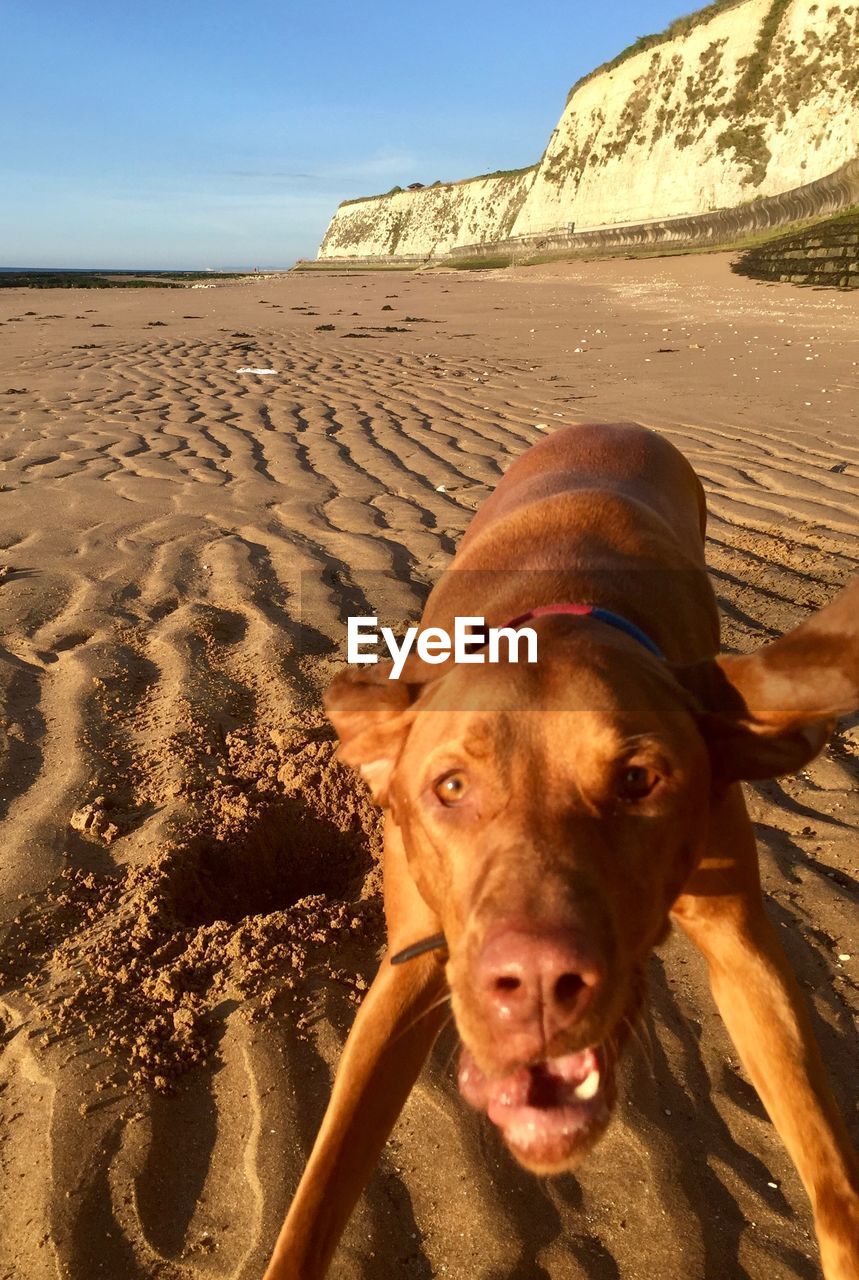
x=679 y=27
x=430 y=186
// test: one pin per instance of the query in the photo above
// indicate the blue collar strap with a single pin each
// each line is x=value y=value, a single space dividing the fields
x=598 y=614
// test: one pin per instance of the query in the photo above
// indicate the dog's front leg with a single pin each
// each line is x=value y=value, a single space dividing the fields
x=396 y=1025
x=392 y=1035
x=765 y=1013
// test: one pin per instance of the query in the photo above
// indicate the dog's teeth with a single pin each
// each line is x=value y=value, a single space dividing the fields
x=588 y=1087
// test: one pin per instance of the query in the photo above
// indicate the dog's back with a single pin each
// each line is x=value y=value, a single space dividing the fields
x=626 y=459
x=609 y=515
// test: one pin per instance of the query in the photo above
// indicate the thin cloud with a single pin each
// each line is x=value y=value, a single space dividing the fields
x=281 y=175
x=383 y=165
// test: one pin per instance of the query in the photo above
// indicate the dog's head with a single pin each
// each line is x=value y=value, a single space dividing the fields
x=551 y=815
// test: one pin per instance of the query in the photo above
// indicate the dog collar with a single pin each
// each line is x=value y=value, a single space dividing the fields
x=598 y=614
x=437 y=942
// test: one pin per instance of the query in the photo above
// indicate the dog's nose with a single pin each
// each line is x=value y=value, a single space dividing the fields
x=536 y=982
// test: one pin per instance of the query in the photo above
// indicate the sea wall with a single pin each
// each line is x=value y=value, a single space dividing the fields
x=837 y=191
x=826 y=254
x=739 y=103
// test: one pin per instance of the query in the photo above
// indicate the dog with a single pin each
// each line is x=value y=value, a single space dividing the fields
x=546 y=821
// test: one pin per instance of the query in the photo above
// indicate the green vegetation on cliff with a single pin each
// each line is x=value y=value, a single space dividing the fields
x=432 y=186
x=679 y=27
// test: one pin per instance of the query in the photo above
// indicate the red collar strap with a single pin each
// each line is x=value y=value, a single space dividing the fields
x=591 y=611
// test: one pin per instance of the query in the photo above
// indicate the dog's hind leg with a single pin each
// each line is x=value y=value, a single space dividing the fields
x=760 y=1001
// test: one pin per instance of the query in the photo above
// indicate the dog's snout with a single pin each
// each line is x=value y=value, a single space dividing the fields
x=537 y=983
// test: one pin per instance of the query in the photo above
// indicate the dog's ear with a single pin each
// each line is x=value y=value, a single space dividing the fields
x=372 y=715
x=770 y=712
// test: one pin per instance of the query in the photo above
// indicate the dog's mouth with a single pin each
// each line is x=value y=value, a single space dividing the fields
x=549 y=1113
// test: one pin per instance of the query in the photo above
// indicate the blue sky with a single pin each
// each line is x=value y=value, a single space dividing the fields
x=202 y=133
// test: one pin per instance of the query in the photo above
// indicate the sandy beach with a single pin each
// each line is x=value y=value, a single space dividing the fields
x=189 y=881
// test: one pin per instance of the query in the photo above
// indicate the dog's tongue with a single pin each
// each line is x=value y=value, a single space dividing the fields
x=556 y=1082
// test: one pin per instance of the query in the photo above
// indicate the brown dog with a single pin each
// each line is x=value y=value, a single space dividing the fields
x=546 y=821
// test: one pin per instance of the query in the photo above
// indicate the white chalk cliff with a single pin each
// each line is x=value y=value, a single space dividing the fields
x=745 y=99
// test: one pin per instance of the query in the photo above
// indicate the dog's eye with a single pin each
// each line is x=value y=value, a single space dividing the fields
x=451 y=788
x=635 y=782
